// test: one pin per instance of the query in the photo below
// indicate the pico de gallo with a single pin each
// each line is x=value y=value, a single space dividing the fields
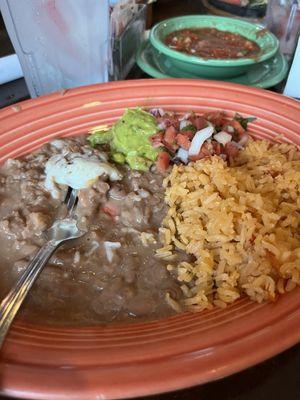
x=144 y=138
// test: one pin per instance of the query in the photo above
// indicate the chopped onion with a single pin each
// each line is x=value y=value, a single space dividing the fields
x=162 y=125
x=230 y=129
x=244 y=139
x=157 y=112
x=143 y=193
x=237 y=145
x=58 y=144
x=76 y=257
x=223 y=137
x=184 y=123
x=185 y=116
x=109 y=246
x=183 y=155
x=198 y=140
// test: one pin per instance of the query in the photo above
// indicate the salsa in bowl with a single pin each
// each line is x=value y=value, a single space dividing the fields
x=212 y=43
x=213 y=47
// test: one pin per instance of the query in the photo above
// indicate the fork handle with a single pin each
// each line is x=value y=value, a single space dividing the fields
x=12 y=302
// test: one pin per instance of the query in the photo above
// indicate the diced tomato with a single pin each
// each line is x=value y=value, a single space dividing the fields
x=183 y=141
x=188 y=134
x=169 y=120
x=197 y=157
x=237 y=127
x=217 y=148
x=110 y=209
x=156 y=145
x=208 y=147
x=169 y=138
x=198 y=121
x=157 y=139
x=206 y=151
x=170 y=134
x=163 y=161
x=231 y=151
x=217 y=118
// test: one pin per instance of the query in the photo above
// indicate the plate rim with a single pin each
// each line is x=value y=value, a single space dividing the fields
x=289 y=333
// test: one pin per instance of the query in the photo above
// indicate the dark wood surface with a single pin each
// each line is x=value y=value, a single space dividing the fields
x=275 y=379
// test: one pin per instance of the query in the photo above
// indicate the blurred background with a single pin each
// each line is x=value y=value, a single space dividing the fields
x=51 y=45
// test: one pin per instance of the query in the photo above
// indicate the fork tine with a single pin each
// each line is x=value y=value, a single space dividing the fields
x=68 y=194
x=72 y=201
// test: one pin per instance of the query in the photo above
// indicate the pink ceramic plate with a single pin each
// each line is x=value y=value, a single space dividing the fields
x=139 y=359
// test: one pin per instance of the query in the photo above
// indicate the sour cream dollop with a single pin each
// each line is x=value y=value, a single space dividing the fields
x=79 y=172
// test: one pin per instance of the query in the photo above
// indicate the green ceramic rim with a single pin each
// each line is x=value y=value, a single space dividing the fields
x=155 y=73
x=237 y=25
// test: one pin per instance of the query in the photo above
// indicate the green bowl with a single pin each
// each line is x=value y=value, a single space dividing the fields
x=213 y=68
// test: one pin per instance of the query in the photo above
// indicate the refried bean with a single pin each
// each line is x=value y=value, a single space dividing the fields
x=112 y=273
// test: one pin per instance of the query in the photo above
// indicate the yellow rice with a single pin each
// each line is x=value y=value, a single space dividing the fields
x=239 y=226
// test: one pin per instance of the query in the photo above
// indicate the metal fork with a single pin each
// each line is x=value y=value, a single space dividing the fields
x=60 y=232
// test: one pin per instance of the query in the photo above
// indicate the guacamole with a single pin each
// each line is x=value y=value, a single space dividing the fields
x=129 y=139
